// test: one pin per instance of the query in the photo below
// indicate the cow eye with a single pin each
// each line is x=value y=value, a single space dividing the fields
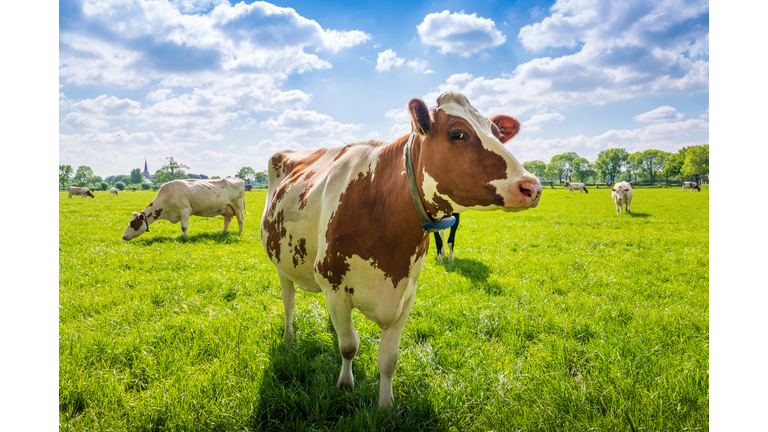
x=458 y=135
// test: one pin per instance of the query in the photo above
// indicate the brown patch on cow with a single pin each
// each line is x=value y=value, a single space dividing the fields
x=438 y=203
x=299 y=252
x=341 y=152
x=136 y=223
x=277 y=164
x=348 y=352
x=150 y=204
x=158 y=212
x=463 y=169
x=275 y=232
x=383 y=198
x=303 y=196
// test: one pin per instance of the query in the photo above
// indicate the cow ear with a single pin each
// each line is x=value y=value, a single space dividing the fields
x=508 y=126
x=141 y=216
x=135 y=214
x=420 y=119
x=614 y=189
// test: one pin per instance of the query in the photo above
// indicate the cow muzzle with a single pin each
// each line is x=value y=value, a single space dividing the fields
x=525 y=194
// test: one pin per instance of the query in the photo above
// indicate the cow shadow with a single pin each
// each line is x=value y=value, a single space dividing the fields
x=298 y=392
x=476 y=271
x=639 y=215
x=217 y=237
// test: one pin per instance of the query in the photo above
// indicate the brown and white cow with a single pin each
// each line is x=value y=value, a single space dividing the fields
x=576 y=186
x=114 y=191
x=342 y=221
x=82 y=191
x=177 y=200
x=622 y=195
x=691 y=185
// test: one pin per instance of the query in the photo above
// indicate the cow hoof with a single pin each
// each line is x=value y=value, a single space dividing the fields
x=345 y=385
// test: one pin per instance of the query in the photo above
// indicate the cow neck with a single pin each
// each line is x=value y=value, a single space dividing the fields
x=429 y=223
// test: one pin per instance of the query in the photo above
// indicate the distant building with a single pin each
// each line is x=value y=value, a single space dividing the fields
x=146 y=174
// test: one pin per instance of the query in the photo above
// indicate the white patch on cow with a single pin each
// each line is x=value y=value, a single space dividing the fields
x=429 y=187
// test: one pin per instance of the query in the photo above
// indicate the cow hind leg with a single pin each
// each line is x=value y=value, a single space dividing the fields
x=349 y=341
x=288 y=294
x=388 y=348
x=227 y=220
x=184 y=222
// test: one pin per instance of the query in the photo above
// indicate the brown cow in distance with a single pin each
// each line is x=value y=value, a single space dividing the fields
x=347 y=222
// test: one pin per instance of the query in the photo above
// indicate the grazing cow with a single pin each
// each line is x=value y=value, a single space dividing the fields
x=576 y=186
x=691 y=185
x=248 y=188
x=82 y=191
x=351 y=221
x=114 y=191
x=622 y=195
x=177 y=200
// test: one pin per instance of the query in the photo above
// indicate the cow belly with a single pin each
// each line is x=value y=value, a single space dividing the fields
x=213 y=209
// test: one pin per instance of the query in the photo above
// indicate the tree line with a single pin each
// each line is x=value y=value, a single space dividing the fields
x=172 y=170
x=618 y=164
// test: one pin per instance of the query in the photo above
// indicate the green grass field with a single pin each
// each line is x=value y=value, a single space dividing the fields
x=563 y=317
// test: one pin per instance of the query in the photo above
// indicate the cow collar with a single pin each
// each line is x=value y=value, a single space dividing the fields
x=430 y=225
x=146 y=220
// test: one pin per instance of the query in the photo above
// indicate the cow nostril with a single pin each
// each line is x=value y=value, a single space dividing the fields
x=526 y=190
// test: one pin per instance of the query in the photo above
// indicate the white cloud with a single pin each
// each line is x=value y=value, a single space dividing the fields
x=402 y=120
x=110 y=107
x=191 y=135
x=373 y=134
x=622 y=51
x=159 y=94
x=270 y=147
x=292 y=124
x=660 y=114
x=64 y=103
x=419 y=66
x=537 y=120
x=459 y=33
x=388 y=59
x=75 y=120
x=130 y=44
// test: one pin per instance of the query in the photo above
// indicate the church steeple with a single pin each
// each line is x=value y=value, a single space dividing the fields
x=146 y=171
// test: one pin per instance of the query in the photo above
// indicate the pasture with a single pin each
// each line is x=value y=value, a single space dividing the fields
x=563 y=317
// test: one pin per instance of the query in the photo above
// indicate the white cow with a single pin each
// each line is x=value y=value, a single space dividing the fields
x=691 y=185
x=577 y=186
x=114 y=191
x=622 y=195
x=82 y=191
x=177 y=200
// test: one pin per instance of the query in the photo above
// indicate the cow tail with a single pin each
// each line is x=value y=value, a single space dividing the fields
x=242 y=202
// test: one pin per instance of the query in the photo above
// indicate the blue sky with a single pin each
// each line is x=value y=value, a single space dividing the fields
x=221 y=85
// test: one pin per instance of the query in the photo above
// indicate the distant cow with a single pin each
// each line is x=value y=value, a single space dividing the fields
x=82 y=191
x=114 y=191
x=622 y=195
x=691 y=185
x=177 y=200
x=576 y=186
x=353 y=222
x=248 y=188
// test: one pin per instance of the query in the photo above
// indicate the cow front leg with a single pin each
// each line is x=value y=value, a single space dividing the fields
x=450 y=252
x=388 y=348
x=184 y=216
x=227 y=220
x=627 y=208
x=288 y=294
x=341 y=317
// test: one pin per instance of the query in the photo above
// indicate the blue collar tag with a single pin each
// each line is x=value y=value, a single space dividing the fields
x=439 y=225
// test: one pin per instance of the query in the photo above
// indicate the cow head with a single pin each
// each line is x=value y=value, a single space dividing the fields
x=620 y=193
x=88 y=193
x=460 y=162
x=136 y=227
x=696 y=186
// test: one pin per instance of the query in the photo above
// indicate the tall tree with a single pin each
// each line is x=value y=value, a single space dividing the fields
x=171 y=171
x=582 y=169
x=262 y=176
x=247 y=174
x=674 y=164
x=652 y=162
x=696 y=162
x=65 y=175
x=136 y=176
x=83 y=175
x=610 y=161
x=537 y=168
x=632 y=164
x=561 y=164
